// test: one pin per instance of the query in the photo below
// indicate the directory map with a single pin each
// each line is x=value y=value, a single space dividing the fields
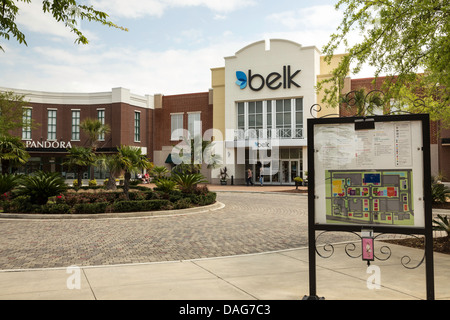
x=369 y=197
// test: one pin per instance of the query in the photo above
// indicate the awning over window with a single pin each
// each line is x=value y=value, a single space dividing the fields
x=169 y=159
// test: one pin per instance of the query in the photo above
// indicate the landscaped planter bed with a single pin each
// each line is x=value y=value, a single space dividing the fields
x=99 y=200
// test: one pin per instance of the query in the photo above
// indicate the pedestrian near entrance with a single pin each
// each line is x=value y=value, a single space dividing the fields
x=261 y=176
x=249 y=177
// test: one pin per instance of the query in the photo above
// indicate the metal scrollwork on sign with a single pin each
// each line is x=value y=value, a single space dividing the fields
x=367 y=103
x=383 y=253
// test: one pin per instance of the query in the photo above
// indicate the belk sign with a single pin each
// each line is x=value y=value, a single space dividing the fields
x=48 y=144
x=273 y=80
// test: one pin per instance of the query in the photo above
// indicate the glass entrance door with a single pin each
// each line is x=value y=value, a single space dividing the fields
x=289 y=170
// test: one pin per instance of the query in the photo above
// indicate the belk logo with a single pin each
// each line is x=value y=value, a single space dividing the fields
x=273 y=81
x=241 y=79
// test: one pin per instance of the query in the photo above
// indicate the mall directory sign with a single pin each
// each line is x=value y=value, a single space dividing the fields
x=369 y=171
x=370 y=175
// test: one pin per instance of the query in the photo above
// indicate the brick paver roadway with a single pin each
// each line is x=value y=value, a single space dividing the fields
x=249 y=223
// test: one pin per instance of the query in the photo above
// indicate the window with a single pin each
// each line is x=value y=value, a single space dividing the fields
x=51 y=125
x=101 y=118
x=241 y=116
x=176 y=124
x=26 y=128
x=194 y=124
x=137 y=126
x=283 y=114
x=255 y=115
x=76 y=125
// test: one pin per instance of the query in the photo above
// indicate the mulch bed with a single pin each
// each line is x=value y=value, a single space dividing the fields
x=441 y=245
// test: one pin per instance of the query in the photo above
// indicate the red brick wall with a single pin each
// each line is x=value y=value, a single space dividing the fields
x=182 y=103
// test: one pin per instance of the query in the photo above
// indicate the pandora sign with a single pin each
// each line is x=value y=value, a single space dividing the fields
x=48 y=144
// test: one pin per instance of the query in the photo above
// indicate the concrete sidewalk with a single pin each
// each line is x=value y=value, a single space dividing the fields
x=281 y=275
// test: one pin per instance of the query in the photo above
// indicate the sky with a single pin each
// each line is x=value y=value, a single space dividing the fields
x=170 y=46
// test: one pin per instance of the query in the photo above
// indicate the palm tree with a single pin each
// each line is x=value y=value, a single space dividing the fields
x=80 y=158
x=12 y=153
x=130 y=159
x=112 y=165
x=159 y=172
x=94 y=129
x=365 y=103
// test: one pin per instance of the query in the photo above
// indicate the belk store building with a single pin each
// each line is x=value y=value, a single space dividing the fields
x=255 y=112
x=262 y=99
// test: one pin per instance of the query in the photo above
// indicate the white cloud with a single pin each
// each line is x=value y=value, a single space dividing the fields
x=32 y=18
x=140 y=8
x=315 y=17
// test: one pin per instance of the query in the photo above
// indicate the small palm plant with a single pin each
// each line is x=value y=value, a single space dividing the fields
x=8 y=182
x=188 y=181
x=42 y=186
x=442 y=224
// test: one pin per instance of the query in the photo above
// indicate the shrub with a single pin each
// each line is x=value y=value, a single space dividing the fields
x=439 y=192
x=187 y=182
x=20 y=204
x=55 y=208
x=98 y=207
x=165 y=185
x=182 y=203
x=41 y=186
x=8 y=182
x=92 y=183
x=144 y=205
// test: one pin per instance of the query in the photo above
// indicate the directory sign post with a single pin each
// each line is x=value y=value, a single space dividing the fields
x=370 y=173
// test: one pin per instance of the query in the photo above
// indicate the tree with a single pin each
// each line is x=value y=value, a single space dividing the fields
x=406 y=39
x=112 y=165
x=94 y=129
x=130 y=159
x=79 y=158
x=12 y=153
x=65 y=11
x=12 y=112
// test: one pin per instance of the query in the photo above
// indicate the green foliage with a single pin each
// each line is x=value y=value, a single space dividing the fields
x=90 y=208
x=402 y=38
x=8 y=182
x=439 y=192
x=94 y=129
x=79 y=159
x=442 y=224
x=187 y=182
x=165 y=185
x=12 y=112
x=12 y=152
x=143 y=205
x=41 y=186
x=64 y=11
x=159 y=172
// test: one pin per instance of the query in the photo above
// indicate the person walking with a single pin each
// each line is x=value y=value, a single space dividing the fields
x=261 y=176
x=249 y=177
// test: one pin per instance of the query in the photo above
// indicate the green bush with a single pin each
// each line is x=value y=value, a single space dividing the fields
x=439 y=192
x=20 y=204
x=182 y=203
x=41 y=186
x=144 y=205
x=98 y=207
x=165 y=185
x=55 y=208
x=187 y=182
x=8 y=182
